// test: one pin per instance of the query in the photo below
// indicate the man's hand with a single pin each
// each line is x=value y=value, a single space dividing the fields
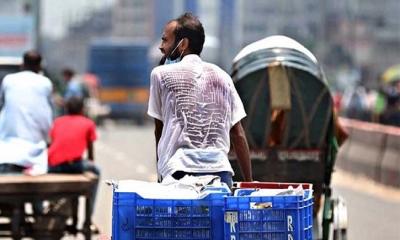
x=33 y=172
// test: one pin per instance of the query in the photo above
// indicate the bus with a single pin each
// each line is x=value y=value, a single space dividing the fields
x=123 y=70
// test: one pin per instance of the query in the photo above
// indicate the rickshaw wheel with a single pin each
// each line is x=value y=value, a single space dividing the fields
x=334 y=223
x=339 y=219
x=340 y=234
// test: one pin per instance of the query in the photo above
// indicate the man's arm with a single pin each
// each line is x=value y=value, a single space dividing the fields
x=239 y=142
x=157 y=132
x=340 y=133
x=1 y=94
x=1 y=99
x=90 y=150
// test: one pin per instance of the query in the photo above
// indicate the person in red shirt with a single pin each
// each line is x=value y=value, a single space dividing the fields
x=71 y=135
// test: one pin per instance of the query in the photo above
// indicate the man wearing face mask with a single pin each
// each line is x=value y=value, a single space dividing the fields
x=196 y=108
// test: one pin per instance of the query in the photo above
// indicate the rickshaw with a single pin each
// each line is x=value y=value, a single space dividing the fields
x=290 y=124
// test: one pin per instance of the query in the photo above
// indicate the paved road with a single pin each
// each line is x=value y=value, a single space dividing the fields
x=123 y=152
x=373 y=209
x=127 y=152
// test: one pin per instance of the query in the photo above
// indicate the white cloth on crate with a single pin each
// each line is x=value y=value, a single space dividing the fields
x=25 y=119
x=189 y=187
x=197 y=183
x=198 y=105
x=24 y=153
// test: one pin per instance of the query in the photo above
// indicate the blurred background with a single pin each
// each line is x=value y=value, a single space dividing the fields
x=113 y=44
x=356 y=41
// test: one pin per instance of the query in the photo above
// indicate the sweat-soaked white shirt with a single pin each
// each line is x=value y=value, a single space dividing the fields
x=198 y=105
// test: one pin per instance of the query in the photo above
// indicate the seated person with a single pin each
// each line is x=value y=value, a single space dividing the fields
x=70 y=136
x=25 y=118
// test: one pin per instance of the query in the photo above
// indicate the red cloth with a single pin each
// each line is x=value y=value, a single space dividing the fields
x=70 y=136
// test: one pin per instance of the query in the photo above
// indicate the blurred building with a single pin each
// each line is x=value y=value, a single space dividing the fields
x=243 y=22
x=145 y=19
x=364 y=35
x=19 y=26
x=71 y=50
x=264 y=18
x=133 y=19
x=344 y=33
x=351 y=34
x=163 y=12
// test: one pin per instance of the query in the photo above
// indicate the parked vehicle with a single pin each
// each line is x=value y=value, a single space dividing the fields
x=123 y=70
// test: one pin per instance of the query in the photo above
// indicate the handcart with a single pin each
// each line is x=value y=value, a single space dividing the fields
x=290 y=124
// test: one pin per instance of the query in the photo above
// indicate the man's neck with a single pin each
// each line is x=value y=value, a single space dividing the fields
x=30 y=69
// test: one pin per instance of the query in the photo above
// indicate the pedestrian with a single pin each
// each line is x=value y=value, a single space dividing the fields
x=71 y=135
x=196 y=108
x=391 y=114
x=74 y=85
x=25 y=118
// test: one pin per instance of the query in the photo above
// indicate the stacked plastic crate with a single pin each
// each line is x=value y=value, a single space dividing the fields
x=217 y=215
x=135 y=217
x=281 y=217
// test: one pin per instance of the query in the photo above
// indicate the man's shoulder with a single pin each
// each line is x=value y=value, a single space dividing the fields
x=87 y=121
x=29 y=74
x=219 y=71
x=74 y=118
x=161 y=71
x=213 y=66
x=164 y=68
x=157 y=71
x=44 y=78
x=12 y=75
x=74 y=123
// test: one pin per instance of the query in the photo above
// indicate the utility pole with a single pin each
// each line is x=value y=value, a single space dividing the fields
x=37 y=21
x=323 y=32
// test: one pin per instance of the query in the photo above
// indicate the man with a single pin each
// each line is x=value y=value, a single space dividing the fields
x=25 y=118
x=74 y=86
x=196 y=108
x=72 y=135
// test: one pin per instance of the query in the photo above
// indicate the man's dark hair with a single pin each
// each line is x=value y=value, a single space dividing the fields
x=32 y=60
x=74 y=106
x=189 y=26
x=68 y=72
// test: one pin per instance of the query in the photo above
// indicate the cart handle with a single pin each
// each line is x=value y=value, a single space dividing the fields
x=270 y=185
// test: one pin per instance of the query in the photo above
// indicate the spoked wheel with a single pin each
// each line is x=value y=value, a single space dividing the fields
x=339 y=223
x=340 y=234
x=334 y=223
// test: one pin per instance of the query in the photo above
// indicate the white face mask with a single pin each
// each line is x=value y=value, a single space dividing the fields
x=168 y=60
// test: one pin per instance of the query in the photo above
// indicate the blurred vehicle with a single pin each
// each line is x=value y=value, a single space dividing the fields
x=94 y=108
x=123 y=70
x=391 y=75
x=355 y=103
x=19 y=27
x=9 y=65
x=290 y=124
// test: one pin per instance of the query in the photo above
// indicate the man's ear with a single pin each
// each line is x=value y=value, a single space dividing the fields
x=185 y=45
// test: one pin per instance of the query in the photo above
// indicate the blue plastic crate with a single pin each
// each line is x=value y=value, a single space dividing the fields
x=268 y=217
x=137 y=218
